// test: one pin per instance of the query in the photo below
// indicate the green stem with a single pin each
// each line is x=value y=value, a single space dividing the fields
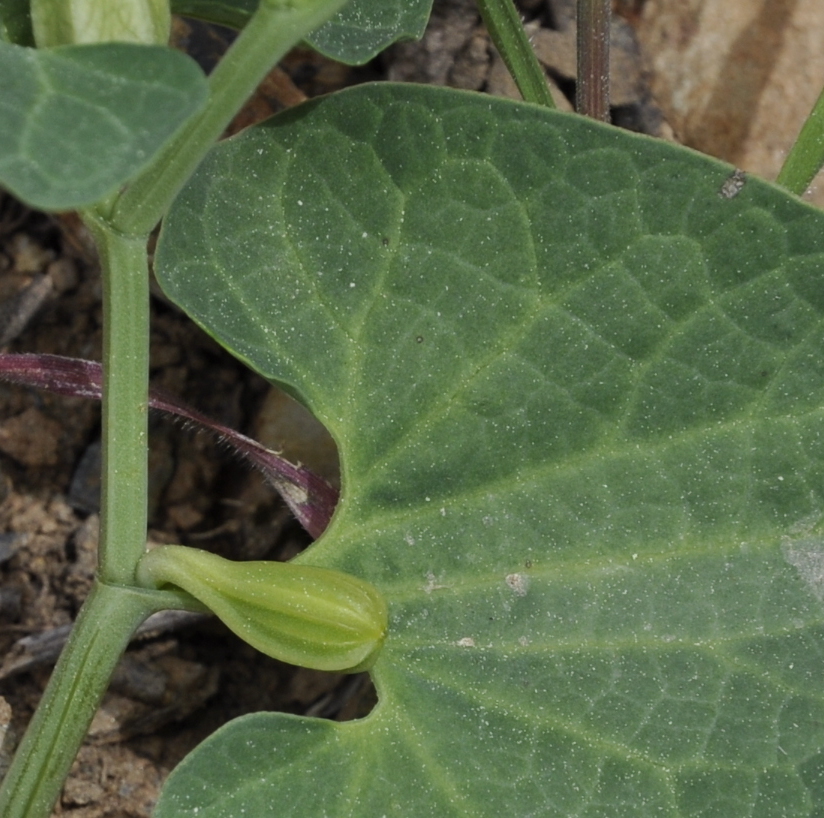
x=120 y=227
x=123 y=512
x=806 y=156
x=42 y=761
x=111 y=612
x=592 y=85
x=271 y=31
x=507 y=32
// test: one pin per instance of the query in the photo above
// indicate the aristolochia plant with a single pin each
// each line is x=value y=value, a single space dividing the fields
x=575 y=378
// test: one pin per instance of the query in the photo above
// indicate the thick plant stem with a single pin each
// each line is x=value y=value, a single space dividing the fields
x=806 y=157
x=271 y=31
x=592 y=89
x=120 y=227
x=125 y=403
x=507 y=32
x=42 y=761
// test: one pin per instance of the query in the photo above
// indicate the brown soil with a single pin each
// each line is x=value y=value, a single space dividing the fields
x=178 y=685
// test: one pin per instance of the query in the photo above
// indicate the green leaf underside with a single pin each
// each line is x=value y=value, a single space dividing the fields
x=364 y=28
x=356 y=34
x=76 y=122
x=578 y=397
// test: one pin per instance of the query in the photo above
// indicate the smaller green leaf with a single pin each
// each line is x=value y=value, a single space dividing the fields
x=76 y=122
x=314 y=617
x=364 y=28
x=231 y=13
x=359 y=31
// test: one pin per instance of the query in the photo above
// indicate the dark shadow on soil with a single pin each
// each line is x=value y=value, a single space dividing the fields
x=730 y=111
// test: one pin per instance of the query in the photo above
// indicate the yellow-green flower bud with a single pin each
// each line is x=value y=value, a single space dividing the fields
x=301 y=614
x=73 y=22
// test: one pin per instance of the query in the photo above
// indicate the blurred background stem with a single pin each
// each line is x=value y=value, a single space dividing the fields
x=592 y=88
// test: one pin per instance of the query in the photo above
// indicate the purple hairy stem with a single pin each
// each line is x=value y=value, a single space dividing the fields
x=311 y=499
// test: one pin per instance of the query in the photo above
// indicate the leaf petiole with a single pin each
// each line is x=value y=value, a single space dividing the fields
x=507 y=33
x=271 y=31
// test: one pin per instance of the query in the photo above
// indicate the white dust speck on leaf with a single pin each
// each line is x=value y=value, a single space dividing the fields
x=432 y=584
x=807 y=557
x=518 y=583
x=805 y=526
x=466 y=642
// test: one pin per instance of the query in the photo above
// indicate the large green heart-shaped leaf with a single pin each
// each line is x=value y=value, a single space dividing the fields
x=579 y=398
x=358 y=32
x=78 y=121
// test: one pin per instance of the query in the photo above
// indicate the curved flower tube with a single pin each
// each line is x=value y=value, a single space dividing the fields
x=302 y=614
